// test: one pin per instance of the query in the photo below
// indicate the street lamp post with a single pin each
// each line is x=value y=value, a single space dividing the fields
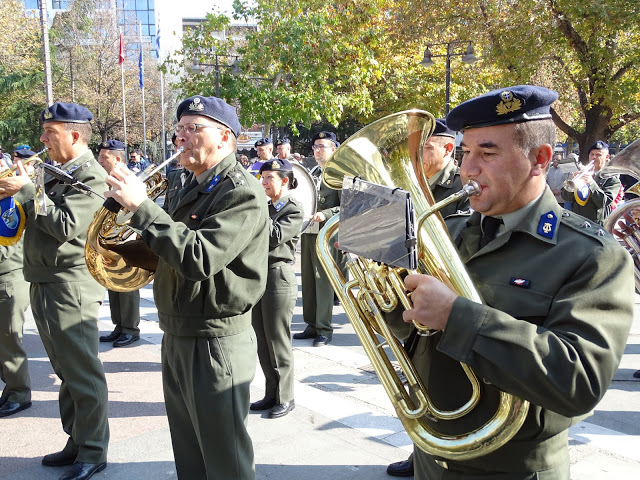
x=468 y=57
x=199 y=67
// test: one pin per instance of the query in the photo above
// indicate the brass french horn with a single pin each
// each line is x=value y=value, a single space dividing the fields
x=115 y=255
x=389 y=152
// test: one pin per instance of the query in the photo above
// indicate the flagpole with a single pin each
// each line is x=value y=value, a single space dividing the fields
x=144 y=120
x=164 y=136
x=124 y=108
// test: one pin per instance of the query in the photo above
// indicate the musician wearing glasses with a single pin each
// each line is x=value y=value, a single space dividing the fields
x=64 y=296
x=594 y=195
x=557 y=291
x=14 y=301
x=124 y=306
x=317 y=292
x=271 y=317
x=212 y=270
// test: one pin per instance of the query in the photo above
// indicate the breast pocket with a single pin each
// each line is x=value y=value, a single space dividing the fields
x=518 y=301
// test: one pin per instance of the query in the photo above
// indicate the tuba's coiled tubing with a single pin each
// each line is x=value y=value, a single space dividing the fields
x=389 y=152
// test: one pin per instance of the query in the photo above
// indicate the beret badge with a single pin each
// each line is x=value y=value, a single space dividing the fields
x=508 y=103
x=275 y=166
x=196 y=105
x=322 y=135
x=47 y=114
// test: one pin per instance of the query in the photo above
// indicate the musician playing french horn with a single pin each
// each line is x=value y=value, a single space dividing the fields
x=64 y=296
x=558 y=297
x=593 y=193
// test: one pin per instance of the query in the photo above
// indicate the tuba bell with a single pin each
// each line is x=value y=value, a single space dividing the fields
x=389 y=152
x=115 y=255
x=624 y=221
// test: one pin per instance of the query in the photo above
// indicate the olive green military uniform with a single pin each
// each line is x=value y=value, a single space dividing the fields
x=317 y=292
x=212 y=270
x=65 y=300
x=558 y=308
x=175 y=182
x=602 y=192
x=446 y=183
x=125 y=311
x=14 y=301
x=271 y=317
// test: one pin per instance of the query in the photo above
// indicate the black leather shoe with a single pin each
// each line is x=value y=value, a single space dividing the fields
x=126 y=339
x=83 y=471
x=282 y=409
x=322 y=340
x=309 y=332
x=9 y=408
x=264 y=404
x=59 y=459
x=112 y=337
x=636 y=374
x=401 y=469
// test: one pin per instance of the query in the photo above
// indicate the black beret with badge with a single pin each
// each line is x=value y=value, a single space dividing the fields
x=599 y=145
x=262 y=142
x=212 y=107
x=442 y=130
x=282 y=141
x=276 y=164
x=23 y=152
x=325 y=136
x=66 y=113
x=112 y=145
x=521 y=103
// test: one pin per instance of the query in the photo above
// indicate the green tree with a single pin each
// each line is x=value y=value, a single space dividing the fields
x=587 y=51
x=21 y=78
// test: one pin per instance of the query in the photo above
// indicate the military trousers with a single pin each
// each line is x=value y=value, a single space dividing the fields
x=317 y=292
x=206 y=383
x=427 y=468
x=271 y=319
x=66 y=315
x=125 y=311
x=14 y=368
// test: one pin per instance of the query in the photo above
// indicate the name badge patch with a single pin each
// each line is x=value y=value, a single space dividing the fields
x=519 y=282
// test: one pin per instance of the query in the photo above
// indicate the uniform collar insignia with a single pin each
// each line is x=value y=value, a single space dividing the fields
x=196 y=105
x=214 y=181
x=278 y=206
x=508 y=103
x=548 y=224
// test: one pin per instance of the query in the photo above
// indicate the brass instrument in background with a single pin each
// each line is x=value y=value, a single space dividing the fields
x=115 y=255
x=624 y=221
x=389 y=152
x=12 y=216
x=584 y=176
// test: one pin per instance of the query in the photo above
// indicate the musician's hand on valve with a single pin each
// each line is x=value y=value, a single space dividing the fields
x=432 y=301
x=126 y=188
x=318 y=218
x=9 y=186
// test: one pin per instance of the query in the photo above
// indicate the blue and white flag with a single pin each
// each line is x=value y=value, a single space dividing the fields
x=140 y=65
x=158 y=40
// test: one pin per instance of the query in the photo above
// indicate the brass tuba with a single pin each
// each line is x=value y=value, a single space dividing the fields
x=624 y=221
x=389 y=152
x=115 y=255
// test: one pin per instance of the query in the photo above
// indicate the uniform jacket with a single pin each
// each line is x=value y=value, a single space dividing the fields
x=448 y=184
x=558 y=309
x=284 y=232
x=212 y=250
x=10 y=262
x=54 y=243
x=602 y=193
x=174 y=185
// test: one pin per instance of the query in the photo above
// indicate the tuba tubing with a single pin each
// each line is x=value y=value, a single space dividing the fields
x=389 y=152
